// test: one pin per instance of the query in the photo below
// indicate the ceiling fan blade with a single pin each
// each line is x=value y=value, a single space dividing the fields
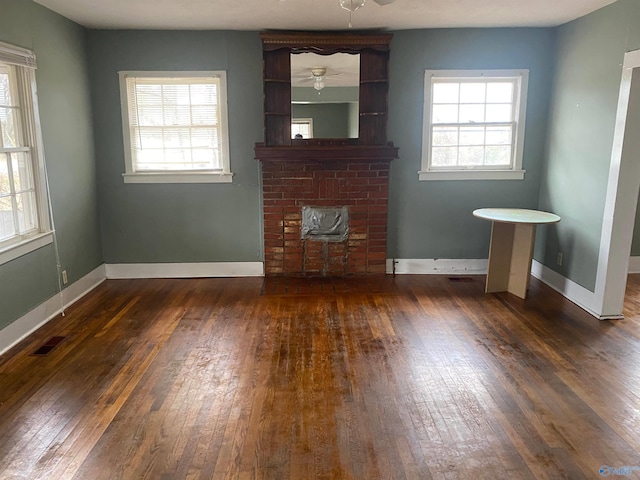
x=382 y=3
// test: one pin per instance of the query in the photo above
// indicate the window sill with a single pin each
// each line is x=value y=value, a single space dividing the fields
x=11 y=252
x=472 y=175
x=199 y=177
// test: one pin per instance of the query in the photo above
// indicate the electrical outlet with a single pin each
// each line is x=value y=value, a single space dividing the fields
x=64 y=277
x=559 y=260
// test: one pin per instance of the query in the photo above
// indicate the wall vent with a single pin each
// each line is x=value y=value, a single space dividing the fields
x=460 y=279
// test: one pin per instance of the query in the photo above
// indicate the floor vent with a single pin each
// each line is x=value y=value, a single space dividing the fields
x=460 y=279
x=49 y=345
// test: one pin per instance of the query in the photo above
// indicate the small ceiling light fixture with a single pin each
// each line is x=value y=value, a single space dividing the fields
x=318 y=77
x=351 y=6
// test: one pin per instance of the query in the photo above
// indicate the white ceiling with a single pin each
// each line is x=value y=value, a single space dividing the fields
x=318 y=14
x=342 y=69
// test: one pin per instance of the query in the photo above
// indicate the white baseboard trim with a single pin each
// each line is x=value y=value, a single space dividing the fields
x=577 y=294
x=634 y=265
x=184 y=270
x=437 y=266
x=36 y=318
x=584 y=298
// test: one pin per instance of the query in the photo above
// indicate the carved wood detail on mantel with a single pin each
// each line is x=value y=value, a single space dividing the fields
x=327 y=42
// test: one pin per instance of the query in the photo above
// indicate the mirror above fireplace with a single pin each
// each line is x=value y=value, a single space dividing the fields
x=372 y=49
x=324 y=95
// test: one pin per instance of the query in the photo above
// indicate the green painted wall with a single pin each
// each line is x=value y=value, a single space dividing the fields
x=347 y=97
x=179 y=222
x=581 y=124
x=635 y=245
x=326 y=95
x=633 y=43
x=330 y=120
x=222 y=222
x=65 y=114
x=354 y=120
x=433 y=219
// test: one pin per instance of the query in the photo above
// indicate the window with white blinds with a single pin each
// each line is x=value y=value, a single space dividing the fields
x=24 y=220
x=175 y=123
x=302 y=128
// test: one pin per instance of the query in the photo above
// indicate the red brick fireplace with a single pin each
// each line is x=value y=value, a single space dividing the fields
x=355 y=177
x=341 y=184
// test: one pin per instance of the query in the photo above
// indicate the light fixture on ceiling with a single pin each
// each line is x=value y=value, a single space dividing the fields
x=353 y=5
x=318 y=77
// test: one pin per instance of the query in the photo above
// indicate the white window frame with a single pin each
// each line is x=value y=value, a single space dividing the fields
x=512 y=172
x=308 y=121
x=221 y=175
x=23 y=63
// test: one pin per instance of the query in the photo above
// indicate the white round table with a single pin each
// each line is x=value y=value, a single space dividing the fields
x=513 y=231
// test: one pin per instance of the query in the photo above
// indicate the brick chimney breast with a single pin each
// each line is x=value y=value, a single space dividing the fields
x=356 y=188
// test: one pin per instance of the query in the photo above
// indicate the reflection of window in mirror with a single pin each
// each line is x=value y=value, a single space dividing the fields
x=326 y=88
x=302 y=128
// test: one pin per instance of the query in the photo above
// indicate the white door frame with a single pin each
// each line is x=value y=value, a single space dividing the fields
x=620 y=203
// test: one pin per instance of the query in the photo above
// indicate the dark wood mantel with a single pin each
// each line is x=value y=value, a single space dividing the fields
x=326 y=42
x=308 y=151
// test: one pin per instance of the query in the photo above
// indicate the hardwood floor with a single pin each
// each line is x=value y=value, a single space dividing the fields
x=412 y=377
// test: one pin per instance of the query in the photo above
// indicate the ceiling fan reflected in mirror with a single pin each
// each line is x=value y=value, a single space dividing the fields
x=318 y=76
x=353 y=5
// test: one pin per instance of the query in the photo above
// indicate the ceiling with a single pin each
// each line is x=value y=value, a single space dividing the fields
x=342 y=69
x=318 y=14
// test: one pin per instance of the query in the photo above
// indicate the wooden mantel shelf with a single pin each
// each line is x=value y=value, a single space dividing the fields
x=325 y=152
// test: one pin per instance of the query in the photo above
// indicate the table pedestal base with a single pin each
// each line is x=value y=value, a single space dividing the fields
x=510 y=257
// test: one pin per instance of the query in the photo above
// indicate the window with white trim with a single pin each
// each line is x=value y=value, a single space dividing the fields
x=175 y=127
x=24 y=212
x=302 y=126
x=474 y=124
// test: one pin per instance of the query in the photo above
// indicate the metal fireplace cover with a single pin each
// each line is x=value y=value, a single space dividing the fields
x=328 y=224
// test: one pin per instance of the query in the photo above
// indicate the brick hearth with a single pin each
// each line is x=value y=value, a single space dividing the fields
x=360 y=184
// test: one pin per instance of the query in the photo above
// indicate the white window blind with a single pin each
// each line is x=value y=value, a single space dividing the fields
x=23 y=198
x=176 y=124
x=302 y=126
x=12 y=55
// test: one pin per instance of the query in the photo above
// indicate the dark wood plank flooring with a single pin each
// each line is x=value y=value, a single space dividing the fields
x=412 y=377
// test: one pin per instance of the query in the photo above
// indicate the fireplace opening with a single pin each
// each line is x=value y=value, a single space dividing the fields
x=326 y=224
